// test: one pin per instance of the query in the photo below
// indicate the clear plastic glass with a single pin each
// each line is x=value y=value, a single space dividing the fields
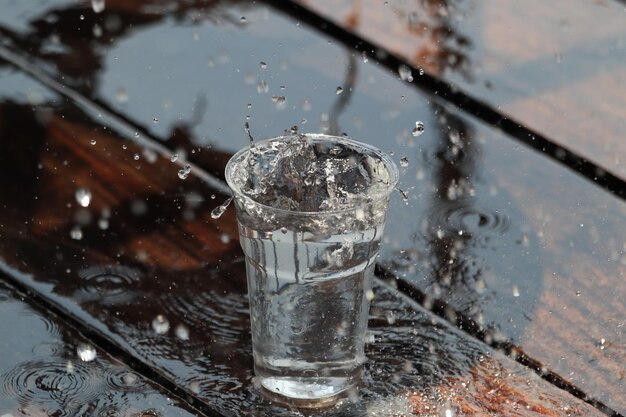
x=309 y=285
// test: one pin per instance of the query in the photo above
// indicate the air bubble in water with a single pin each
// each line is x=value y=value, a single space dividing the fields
x=160 y=324
x=219 y=210
x=182 y=332
x=339 y=90
x=83 y=197
x=97 y=6
x=405 y=73
x=404 y=162
x=86 y=352
x=419 y=128
x=263 y=65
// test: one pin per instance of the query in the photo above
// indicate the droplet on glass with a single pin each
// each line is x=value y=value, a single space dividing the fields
x=182 y=332
x=339 y=90
x=83 y=197
x=419 y=129
x=160 y=324
x=97 y=6
x=86 y=352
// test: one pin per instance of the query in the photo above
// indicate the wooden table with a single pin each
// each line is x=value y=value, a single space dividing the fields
x=500 y=287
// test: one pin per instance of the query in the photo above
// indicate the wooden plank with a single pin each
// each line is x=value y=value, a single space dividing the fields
x=558 y=68
x=49 y=369
x=179 y=270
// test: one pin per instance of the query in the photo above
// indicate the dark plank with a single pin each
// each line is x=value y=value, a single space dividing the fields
x=48 y=368
x=177 y=268
x=537 y=62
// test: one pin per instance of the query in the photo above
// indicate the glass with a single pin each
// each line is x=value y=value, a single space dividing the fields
x=310 y=272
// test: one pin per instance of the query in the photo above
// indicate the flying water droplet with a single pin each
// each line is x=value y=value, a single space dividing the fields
x=121 y=95
x=160 y=324
x=515 y=291
x=219 y=210
x=242 y=19
x=174 y=157
x=263 y=65
x=155 y=120
x=419 y=128
x=86 y=352
x=405 y=73
x=184 y=172
x=182 y=332
x=364 y=56
x=136 y=157
x=92 y=142
x=76 y=233
x=262 y=87
x=404 y=162
x=339 y=90
x=278 y=99
x=97 y=6
x=83 y=197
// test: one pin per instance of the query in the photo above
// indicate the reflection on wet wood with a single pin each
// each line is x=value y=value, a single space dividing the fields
x=49 y=369
x=167 y=284
x=540 y=63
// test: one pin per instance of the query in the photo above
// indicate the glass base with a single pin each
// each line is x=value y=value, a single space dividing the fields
x=312 y=392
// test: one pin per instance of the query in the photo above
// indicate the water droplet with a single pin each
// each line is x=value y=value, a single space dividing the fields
x=421 y=71
x=136 y=157
x=184 y=172
x=242 y=19
x=405 y=73
x=124 y=146
x=103 y=224
x=339 y=90
x=278 y=99
x=92 y=141
x=364 y=56
x=404 y=162
x=283 y=230
x=182 y=332
x=97 y=30
x=97 y=6
x=81 y=17
x=263 y=65
x=160 y=324
x=303 y=121
x=174 y=157
x=121 y=95
x=515 y=291
x=76 y=233
x=86 y=352
x=369 y=294
x=578 y=293
x=150 y=155
x=262 y=87
x=83 y=197
x=155 y=120
x=225 y=238
x=419 y=128
x=219 y=210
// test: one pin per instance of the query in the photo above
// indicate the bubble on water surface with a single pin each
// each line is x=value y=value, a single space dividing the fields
x=418 y=129
x=83 y=197
x=97 y=6
x=160 y=324
x=86 y=352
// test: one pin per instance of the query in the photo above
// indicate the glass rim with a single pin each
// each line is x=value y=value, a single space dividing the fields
x=391 y=166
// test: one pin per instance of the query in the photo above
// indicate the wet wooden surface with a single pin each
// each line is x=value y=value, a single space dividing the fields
x=493 y=235
x=166 y=283
x=558 y=68
x=49 y=369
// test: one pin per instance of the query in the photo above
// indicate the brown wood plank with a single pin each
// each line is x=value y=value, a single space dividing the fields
x=418 y=363
x=558 y=67
x=49 y=369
